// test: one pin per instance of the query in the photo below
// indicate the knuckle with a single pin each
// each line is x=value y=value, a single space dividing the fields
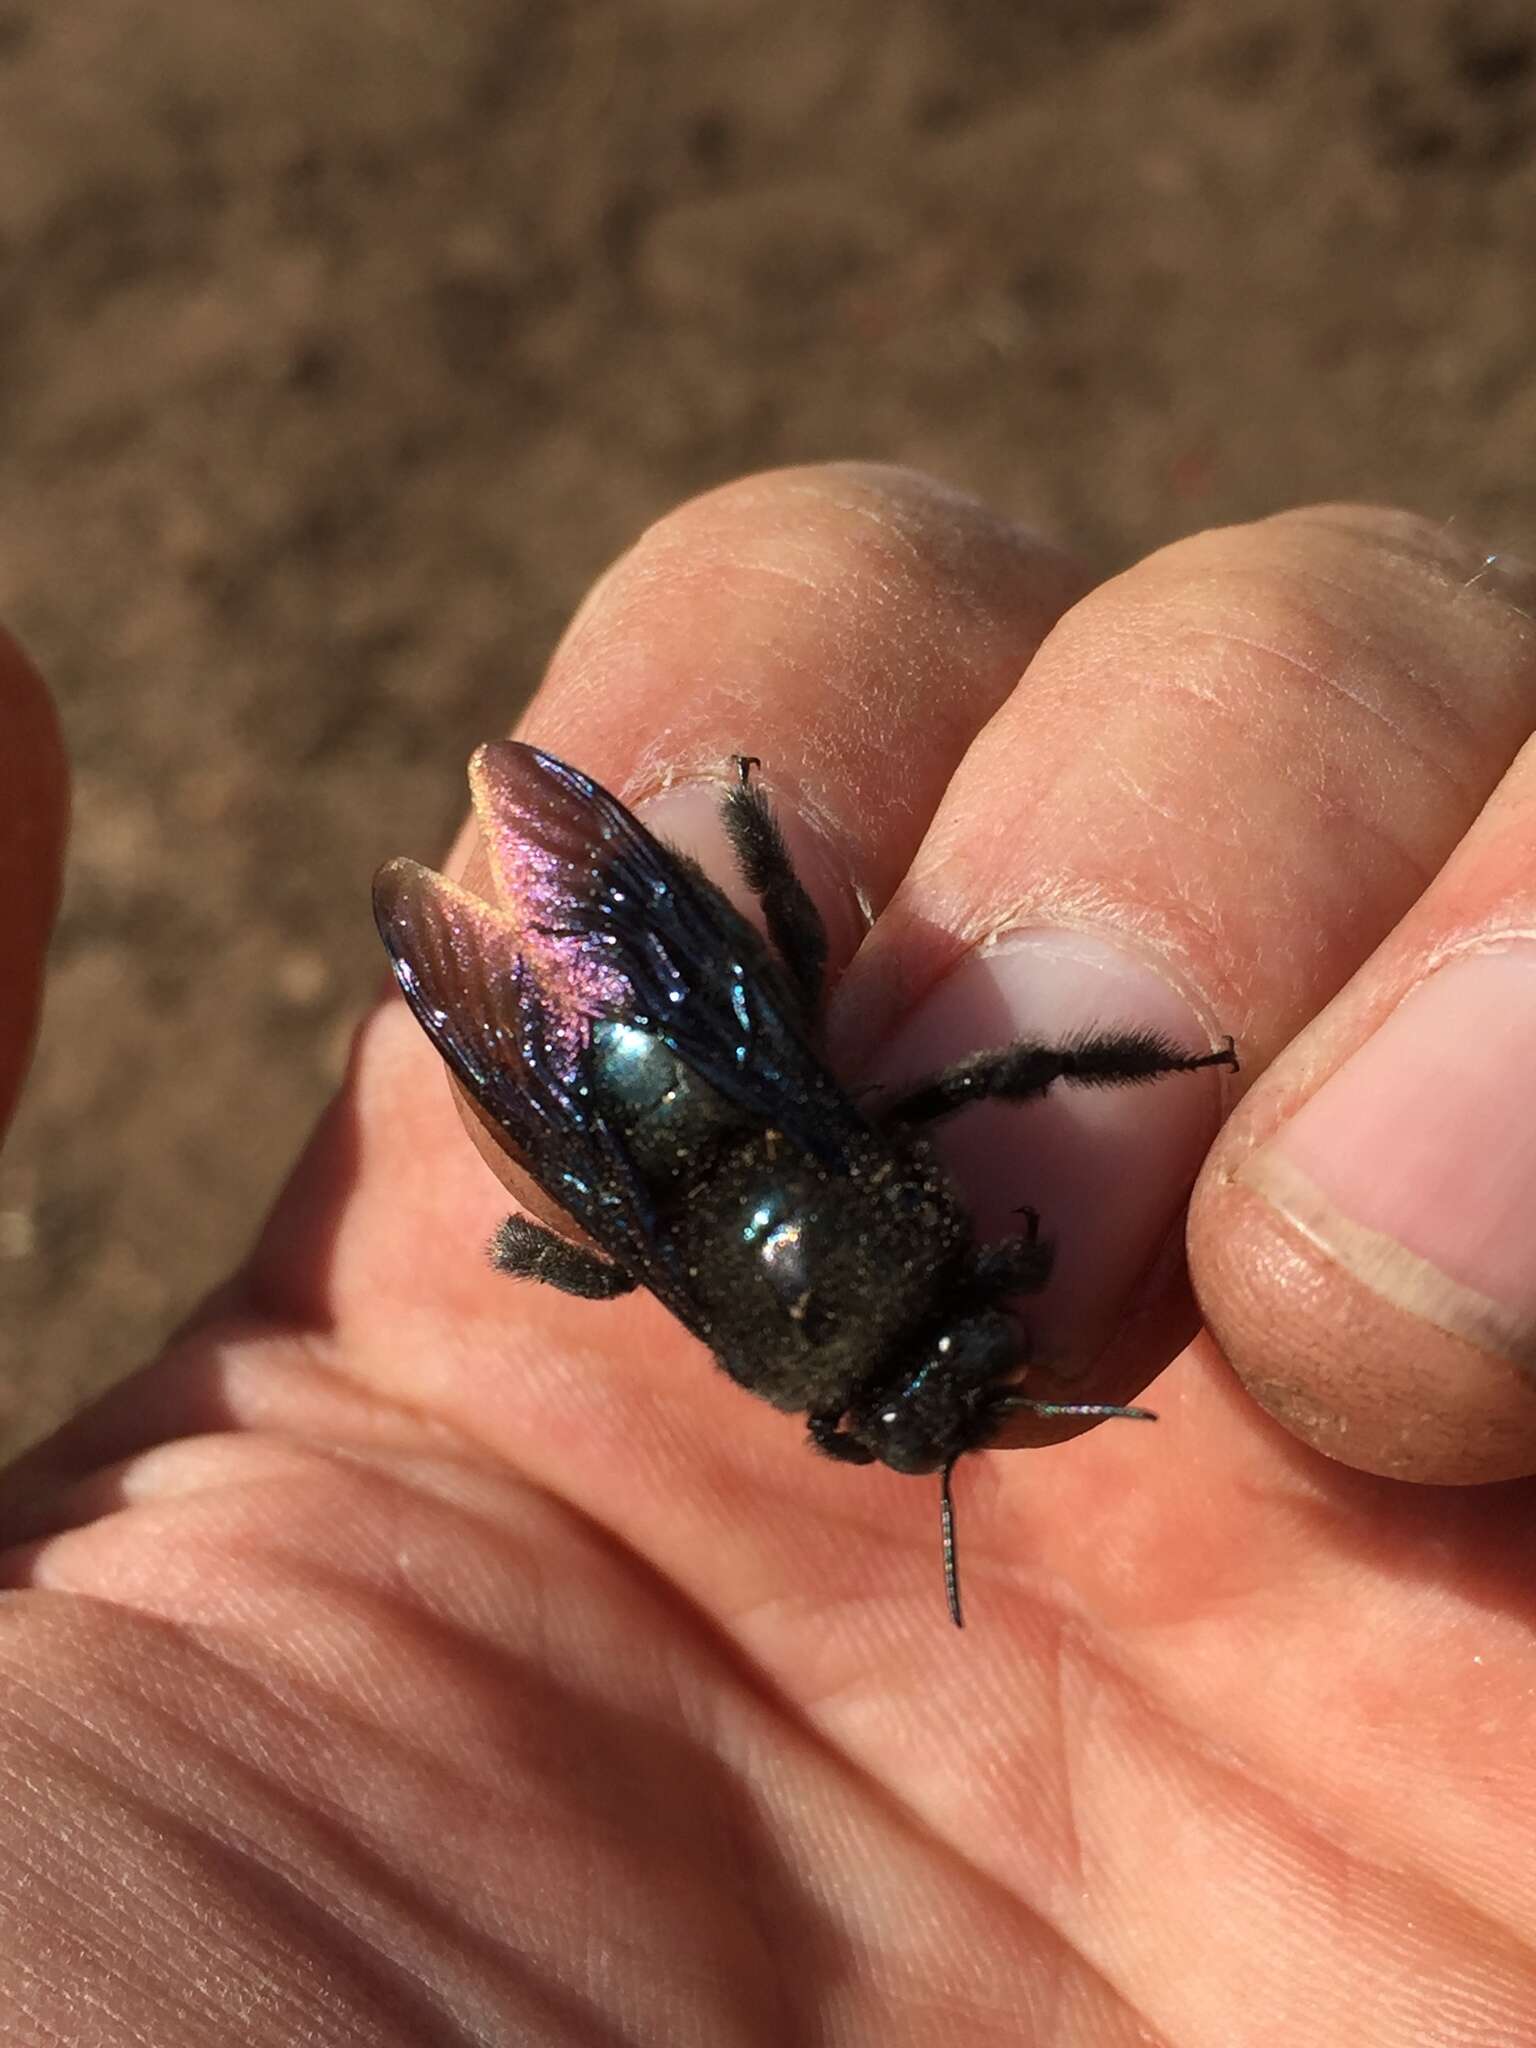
x=889 y=531
x=1379 y=623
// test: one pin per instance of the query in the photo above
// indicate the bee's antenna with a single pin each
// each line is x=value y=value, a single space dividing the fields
x=1010 y=1405
x=1015 y=1404
x=947 y=1533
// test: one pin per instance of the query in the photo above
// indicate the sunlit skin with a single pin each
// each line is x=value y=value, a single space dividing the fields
x=411 y=1654
x=652 y=1063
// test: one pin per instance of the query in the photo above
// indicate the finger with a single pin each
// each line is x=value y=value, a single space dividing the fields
x=853 y=628
x=1364 y=1235
x=1225 y=777
x=33 y=811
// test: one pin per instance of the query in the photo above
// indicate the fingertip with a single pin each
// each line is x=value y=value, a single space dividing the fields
x=852 y=625
x=1356 y=1375
x=1108 y=1169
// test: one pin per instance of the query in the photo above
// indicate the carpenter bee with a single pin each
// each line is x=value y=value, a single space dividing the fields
x=652 y=1063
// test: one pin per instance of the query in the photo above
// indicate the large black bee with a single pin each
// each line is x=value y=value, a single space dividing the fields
x=653 y=1064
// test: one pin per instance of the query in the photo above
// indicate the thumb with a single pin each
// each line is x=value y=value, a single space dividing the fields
x=34 y=804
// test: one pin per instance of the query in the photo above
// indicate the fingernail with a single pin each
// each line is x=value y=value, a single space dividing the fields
x=688 y=817
x=1414 y=1166
x=1108 y=1169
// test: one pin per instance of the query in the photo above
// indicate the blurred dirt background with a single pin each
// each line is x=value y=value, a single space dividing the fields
x=341 y=346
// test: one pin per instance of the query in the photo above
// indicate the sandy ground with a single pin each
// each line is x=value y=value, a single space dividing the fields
x=340 y=346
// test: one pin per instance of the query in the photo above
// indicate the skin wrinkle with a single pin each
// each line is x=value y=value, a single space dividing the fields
x=82 y=1993
x=1310 y=783
x=1214 y=703
x=1388 y=546
x=1494 y=939
x=1225 y=638
x=1446 y=587
x=765 y=1689
x=1488 y=591
x=1383 y=580
x=216 y=1639
x=1064 y=1642
x=299 y=1805
x=747 y=1870
x=1440 y=703
x=907 y=1818
x=88 y=1501
x=1183 y=1737
x=1331 y=684
x=153 y=1816
x=432 y=1436
x=885 y=574
x=33 y=1979
x=880 y=506
x=1414 y=875
x=104 y=1948
x=1413 y=537
x=1123 y=779
x=428 y=1426
x=1074 y=1646
x=1505 y=1945
x=966 y=2022
x=888 y=511
x=475 y=1649
x=889 y=583
x=395 y=1981
x=776 y=570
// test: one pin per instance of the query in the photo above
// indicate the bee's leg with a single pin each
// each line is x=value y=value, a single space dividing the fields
x=530 y=1252
x=827 y=1437
x=1023 y=1072
x=794 y=922
x=1015 y=1265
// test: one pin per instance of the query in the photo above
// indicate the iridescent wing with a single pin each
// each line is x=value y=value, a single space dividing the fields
x=519 y=1057
x=596 y=920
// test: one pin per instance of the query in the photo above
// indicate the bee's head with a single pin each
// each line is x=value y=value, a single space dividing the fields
x=956 y=1400
x=946 y=1403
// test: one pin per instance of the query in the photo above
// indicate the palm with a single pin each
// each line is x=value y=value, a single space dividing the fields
x=560 y=1683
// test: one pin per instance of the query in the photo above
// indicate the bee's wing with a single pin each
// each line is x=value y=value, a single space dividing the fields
x=597 y=920
x=519 y=1057
x=620 y=925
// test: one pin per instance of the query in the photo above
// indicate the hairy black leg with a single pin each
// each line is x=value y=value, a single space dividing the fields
x=1023 y=1072
x=827 y=1437
x=794 y=922
x=530 y=1252
x=1015 y=1265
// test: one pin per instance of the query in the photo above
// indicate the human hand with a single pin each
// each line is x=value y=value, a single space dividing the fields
x=408 y=1656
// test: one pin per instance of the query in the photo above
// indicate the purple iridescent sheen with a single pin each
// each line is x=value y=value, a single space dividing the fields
x=545 y=865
